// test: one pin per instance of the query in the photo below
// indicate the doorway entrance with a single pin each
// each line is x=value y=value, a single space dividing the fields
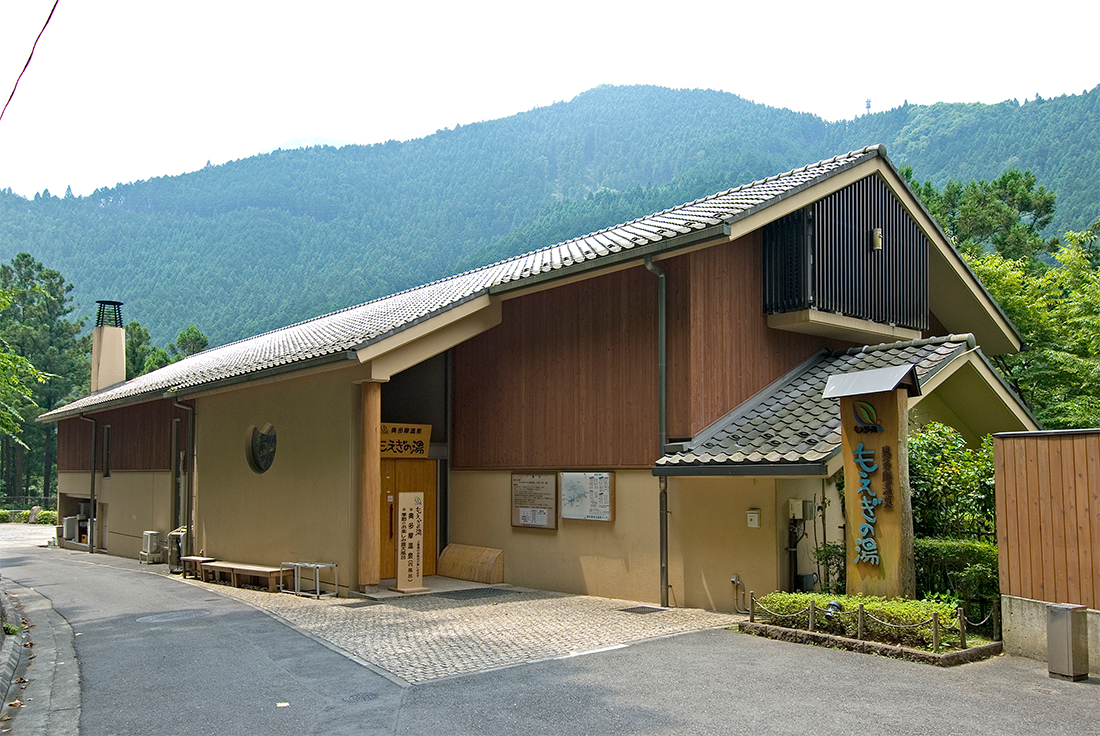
x=402 y=475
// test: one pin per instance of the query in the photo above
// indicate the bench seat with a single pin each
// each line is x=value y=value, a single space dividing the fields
x=237 y=572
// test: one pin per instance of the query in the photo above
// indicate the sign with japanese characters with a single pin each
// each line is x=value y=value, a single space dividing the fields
x=588 y=496
x=410 y=543
x=406 y=440
x=535 y=500
x=879 y=523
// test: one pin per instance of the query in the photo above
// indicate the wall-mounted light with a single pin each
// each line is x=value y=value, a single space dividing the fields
x=876 y=238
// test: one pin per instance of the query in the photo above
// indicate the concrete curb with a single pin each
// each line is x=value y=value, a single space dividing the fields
x=12 y=649
x=798 y=636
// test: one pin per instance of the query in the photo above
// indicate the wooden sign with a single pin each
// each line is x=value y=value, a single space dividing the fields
x=410 y=543
x=406 y=440
x=879 y=523
x=535 y=500
x=588 y=496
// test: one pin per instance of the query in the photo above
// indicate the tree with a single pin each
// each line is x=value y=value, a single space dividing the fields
x=188 y=342
x=17 y=374
x=36 y=327
x=138 y=347
x=952 y=484
x=1006 y=215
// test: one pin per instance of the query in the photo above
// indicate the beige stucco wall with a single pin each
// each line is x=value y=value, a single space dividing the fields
x=617 y=559
x=305 y=507
x=135 y=502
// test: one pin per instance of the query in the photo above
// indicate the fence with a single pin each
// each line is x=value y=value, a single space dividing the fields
x=1048 y=528
x=23 y=503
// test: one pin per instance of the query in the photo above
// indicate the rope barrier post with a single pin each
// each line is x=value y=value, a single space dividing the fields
x=813 y=610
x=752 y=606
x=962 y=628
x=996 y=613
x=861 y=625
x=936 y=632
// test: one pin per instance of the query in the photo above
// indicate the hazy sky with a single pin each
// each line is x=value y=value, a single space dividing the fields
x=119 y=91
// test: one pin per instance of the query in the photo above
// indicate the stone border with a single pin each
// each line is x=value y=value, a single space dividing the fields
x=12 y=649
x=800 y=636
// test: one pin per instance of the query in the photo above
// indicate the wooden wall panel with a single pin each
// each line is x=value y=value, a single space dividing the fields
x=1048 y=486
x=568 y=379
x=141 y=438
x=733 y=352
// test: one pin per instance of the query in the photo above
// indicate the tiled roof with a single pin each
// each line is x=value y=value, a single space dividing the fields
x=332 y=335
x=789 y=423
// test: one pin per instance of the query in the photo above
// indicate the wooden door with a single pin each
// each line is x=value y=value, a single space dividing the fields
x=407 y=476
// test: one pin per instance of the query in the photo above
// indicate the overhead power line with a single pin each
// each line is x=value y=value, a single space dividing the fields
x=31 y=56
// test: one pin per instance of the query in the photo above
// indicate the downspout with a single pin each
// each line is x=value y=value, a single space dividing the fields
x=91 y=492
x=662 y=416
x=187 y=510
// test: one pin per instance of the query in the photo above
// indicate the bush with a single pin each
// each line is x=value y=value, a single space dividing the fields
x=5 y=516
x=22 y=516
x=897 y=611
x=47 y=517
x=952 y=485
x=965 y=567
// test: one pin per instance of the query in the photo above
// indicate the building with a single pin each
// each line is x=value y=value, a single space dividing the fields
x=684 y=354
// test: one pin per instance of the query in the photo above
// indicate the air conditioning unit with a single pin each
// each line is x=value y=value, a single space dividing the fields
x=150 y=547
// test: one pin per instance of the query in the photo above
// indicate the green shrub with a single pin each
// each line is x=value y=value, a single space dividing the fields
x=965 y=567
x=22 y=517
x=897 y=611
x=11 y=629
x=47 y=517
x=952 y=484
x=5 y=516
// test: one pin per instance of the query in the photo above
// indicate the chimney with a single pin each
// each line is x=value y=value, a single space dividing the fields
x=108 y=346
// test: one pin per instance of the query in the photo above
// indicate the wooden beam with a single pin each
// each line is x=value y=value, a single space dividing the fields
x=370 y=494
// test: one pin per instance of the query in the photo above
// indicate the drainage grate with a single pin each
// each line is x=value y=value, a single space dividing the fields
x=360 y=697
x=359 y=604
x=642 y=609
x=160 y=618
x=473 y=594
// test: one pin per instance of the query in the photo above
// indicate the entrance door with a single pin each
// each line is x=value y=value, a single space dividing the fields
x=400 y=475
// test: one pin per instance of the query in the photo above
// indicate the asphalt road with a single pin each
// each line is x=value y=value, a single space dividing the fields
x=160 y=657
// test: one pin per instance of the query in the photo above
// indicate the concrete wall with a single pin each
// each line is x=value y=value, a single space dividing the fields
x=1024 y=627
x=305 y=507
x=136 y=501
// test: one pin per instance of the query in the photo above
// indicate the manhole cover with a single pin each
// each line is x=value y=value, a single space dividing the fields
x=473 y=593
x=360 y=697
x=642 y=609
x=160 y=618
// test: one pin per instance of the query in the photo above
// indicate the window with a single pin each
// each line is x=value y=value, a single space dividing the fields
x=261 y=447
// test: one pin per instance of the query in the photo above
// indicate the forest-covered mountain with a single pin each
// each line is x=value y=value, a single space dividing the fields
x=262 y=242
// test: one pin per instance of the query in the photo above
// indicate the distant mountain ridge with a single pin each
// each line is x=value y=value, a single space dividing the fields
x=262 y=242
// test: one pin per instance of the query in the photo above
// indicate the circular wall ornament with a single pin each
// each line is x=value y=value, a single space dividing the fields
x=261 y=447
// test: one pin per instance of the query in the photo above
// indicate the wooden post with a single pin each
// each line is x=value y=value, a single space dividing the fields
x=813 y=610
x=935 y=632
x=962 y=628
x=861 y=630
x=370 y=493
x=752 y=607
x=996 y=613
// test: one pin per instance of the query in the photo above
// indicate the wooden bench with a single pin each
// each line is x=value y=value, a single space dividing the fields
x=213 y=572
x=193 y=564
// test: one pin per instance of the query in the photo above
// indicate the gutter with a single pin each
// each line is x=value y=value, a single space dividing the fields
x=662 y=414
x=187 y=509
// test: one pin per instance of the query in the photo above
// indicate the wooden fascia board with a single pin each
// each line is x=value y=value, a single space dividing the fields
x=431 y=337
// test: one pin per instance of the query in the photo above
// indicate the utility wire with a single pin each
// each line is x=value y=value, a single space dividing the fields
x=31 y=56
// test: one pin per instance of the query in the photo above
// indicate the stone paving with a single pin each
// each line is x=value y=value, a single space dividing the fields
x=425 y=637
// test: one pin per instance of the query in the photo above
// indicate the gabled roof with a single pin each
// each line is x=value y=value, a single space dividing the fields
x=335 y=337
x=789 y=428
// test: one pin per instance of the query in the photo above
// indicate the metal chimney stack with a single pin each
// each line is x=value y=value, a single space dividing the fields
x=108 y=346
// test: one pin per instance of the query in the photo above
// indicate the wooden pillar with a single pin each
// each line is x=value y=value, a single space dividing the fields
x=370 y=495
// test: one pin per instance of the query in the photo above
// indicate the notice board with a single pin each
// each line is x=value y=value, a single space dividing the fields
x=588 y=496
x=535 y=500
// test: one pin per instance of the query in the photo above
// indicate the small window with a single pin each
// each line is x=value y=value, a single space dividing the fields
x=261 y=447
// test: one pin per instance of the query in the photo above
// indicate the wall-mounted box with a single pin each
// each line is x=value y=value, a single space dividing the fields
x=754 y=518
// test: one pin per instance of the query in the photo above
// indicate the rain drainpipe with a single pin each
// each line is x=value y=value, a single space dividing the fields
x=91 y=493
x=662 y=415
x=187 y=511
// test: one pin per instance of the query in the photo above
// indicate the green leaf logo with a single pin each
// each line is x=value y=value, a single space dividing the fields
x=866 y=416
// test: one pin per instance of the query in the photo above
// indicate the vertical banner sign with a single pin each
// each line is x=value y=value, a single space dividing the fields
x=410 y=543
x=879 y=523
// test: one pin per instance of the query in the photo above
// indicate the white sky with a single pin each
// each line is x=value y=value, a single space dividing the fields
x=119 y=91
